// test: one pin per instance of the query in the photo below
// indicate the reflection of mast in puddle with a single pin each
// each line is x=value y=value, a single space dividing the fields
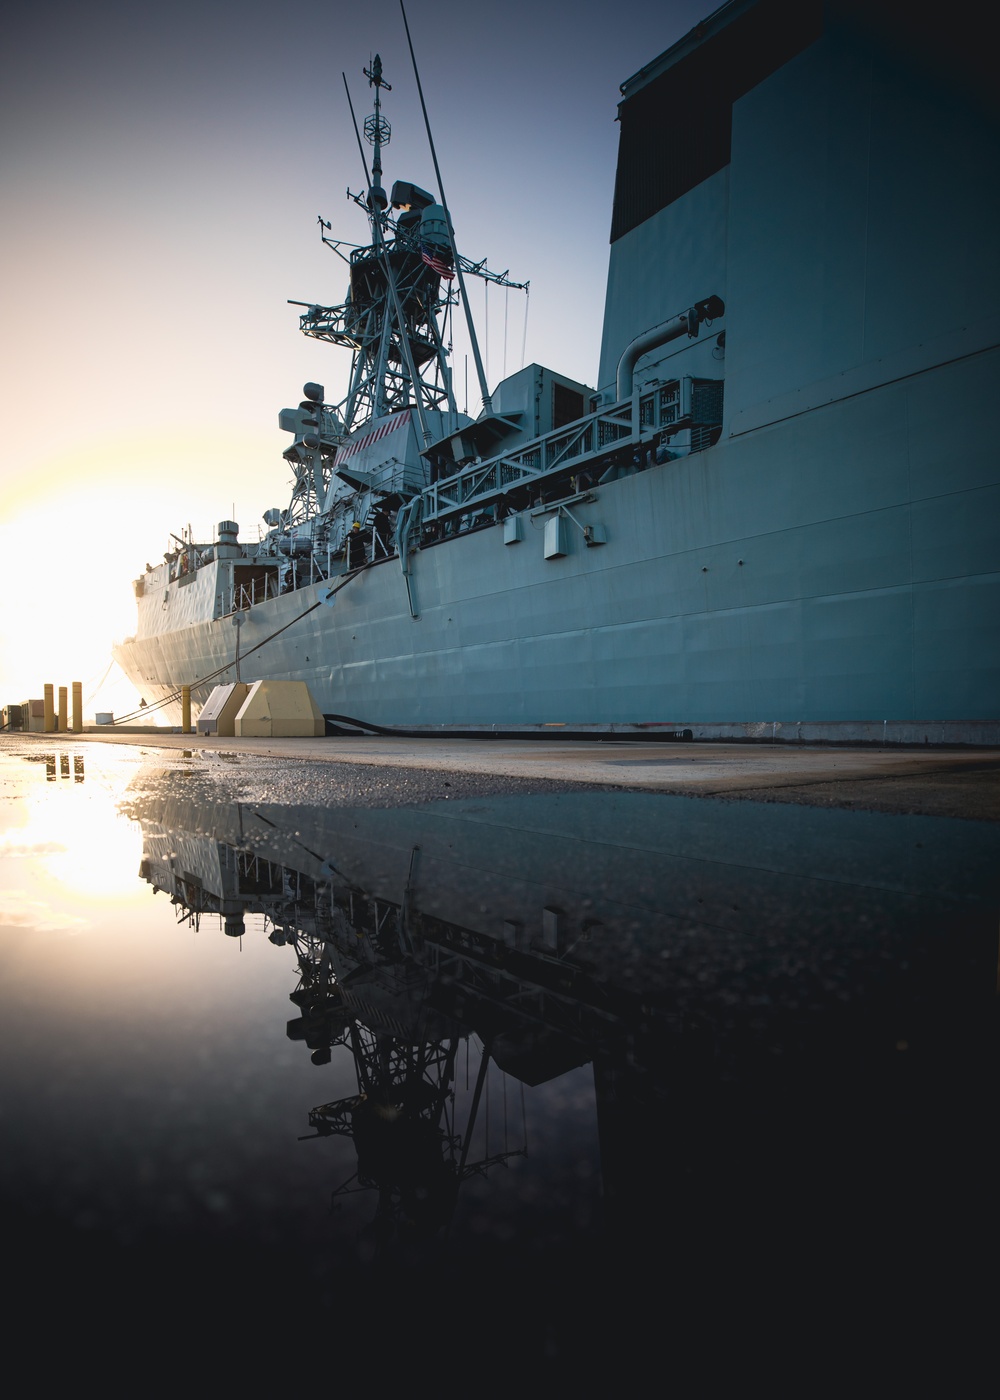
x=422 y=1119
x=414 y=1129
x=729 y=970
x=416 y=1136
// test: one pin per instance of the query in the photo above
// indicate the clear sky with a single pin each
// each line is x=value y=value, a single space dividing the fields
x=163 y=167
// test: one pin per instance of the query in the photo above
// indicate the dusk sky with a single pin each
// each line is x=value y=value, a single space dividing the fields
x=163 y=170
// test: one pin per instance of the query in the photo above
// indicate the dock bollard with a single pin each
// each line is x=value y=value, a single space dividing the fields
x=185 y=709
x=48 y=711
x=78 y=707
x=63 y=716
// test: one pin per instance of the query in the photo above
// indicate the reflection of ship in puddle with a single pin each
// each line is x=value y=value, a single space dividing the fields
x=753 y=984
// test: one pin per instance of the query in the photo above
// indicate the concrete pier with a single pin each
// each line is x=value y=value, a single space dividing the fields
x=961 y=783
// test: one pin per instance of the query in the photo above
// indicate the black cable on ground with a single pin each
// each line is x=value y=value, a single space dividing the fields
x=361 y=729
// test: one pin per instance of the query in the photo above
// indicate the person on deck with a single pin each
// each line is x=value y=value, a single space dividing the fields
x=382 y=533
x=356 y=555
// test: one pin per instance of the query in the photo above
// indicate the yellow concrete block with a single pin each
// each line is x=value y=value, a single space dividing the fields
x=219 y=713
x=279 y=710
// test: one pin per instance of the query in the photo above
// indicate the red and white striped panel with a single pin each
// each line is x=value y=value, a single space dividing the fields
x=391 y=425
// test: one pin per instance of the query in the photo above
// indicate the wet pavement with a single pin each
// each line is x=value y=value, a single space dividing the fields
x=942 y=782
x=366 y=1060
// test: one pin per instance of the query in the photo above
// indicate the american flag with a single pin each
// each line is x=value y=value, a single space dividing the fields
x=438 y=260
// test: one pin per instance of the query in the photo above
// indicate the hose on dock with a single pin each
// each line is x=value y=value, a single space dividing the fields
x=361 y=728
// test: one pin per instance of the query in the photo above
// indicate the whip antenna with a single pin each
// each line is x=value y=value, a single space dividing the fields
x=487 y=400
x=357 y=134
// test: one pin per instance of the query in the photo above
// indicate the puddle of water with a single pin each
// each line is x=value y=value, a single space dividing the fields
x=556 y=1068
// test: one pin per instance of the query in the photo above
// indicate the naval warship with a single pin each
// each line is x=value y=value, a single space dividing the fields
x=773 y=516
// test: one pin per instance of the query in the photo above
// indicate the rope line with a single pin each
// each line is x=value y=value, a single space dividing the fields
x=94 y=689
x=524 y=331
x=506 y=303
x=214 y=675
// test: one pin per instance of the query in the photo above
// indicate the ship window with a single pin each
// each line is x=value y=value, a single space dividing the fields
x=676 y=128
x=567 y=405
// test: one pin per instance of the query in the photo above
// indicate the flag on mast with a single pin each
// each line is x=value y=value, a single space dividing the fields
x=438 y=260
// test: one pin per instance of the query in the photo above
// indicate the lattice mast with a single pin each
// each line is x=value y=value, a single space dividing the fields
x=394 y=315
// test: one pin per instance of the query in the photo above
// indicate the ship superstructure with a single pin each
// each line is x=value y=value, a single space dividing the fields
x=774 y=513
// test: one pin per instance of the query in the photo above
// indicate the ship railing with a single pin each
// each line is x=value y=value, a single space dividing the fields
x=262 y=587
x=592 y=437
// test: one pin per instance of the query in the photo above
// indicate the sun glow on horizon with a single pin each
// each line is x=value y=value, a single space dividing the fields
x=75 y=535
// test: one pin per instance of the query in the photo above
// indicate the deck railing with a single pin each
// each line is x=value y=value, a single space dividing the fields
x=575 y=445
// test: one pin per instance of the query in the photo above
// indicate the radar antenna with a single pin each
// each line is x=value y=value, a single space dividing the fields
x=394 y=319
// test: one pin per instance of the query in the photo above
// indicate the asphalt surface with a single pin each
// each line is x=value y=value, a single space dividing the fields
x=956 y=783
x=794 y=1040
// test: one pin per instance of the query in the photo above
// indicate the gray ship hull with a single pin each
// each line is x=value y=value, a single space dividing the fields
x=780 y=577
